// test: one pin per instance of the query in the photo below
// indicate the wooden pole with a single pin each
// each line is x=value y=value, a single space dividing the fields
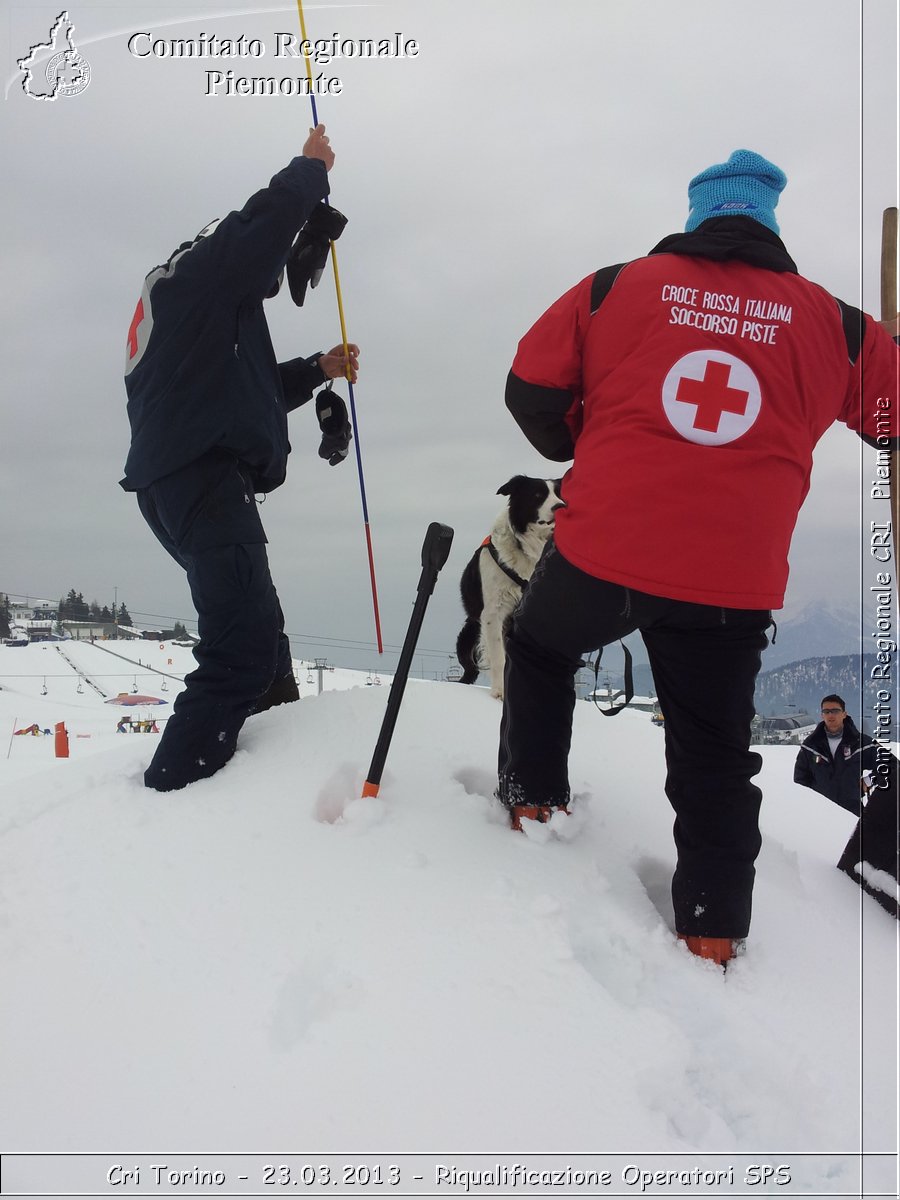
x=889 y=264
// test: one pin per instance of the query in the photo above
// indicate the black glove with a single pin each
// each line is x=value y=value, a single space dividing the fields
x=336 y=433
x=309 y=253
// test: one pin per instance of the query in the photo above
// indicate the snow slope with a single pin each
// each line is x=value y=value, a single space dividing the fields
x=266 y=960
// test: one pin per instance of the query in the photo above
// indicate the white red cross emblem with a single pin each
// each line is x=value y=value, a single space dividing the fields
x=711 y=397
x=140 y=329
x=132 y=332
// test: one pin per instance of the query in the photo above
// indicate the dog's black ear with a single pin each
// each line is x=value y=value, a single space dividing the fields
x=510 y=486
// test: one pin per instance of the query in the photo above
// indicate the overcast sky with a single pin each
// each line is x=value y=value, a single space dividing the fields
x=526 y=145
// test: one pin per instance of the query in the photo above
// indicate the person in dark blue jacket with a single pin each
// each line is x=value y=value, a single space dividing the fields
x=208 y=405
x=836 y=758
x=862 y=776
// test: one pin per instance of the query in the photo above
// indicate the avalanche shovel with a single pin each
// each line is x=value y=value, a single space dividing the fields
x=435 y=549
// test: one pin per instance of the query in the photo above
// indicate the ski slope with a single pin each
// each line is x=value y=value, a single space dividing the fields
x=266 y=960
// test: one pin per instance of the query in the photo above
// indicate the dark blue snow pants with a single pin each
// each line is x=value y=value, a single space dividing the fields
x=705 y=661
x=874 y=845
x=206 y=517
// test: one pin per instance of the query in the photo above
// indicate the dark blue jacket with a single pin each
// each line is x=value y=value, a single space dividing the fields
x=201 y=372
x=837 y=778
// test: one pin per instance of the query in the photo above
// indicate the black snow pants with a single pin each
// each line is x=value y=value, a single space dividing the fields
x=705 y=661
x=206 y=517
x=872 y=855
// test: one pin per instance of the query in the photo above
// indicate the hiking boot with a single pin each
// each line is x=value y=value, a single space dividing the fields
x=281 y=691
x=533 y=812
x=720 y=950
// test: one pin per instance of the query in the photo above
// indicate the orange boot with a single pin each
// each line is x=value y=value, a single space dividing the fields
x=720 y=950
x=533 y=812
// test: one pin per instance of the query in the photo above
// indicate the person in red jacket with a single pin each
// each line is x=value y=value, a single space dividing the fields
x=689 y=388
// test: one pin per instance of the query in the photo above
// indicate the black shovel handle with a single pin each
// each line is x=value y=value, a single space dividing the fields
x=435 y=550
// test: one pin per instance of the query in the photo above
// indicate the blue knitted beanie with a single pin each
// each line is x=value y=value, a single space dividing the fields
x=748 y=185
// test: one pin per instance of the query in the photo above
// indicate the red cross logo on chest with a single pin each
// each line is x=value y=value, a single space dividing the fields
x=711 y=397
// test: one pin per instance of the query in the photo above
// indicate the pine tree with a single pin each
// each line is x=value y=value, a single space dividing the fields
x=4 y=616
x=124 y=617
x=74 y=607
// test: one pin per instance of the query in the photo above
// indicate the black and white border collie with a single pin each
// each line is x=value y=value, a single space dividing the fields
x=492 y=583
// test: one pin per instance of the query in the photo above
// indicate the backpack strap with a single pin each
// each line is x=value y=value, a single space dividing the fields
x=854 y=324
x=603 y=281
x=629 y=683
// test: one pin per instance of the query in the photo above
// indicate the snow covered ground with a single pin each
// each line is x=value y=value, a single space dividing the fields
x=266 y=962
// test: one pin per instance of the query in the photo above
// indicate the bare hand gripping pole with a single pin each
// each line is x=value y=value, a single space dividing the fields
x=435 y=549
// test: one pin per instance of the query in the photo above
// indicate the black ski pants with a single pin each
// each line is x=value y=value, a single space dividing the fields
x=705 y=661
x=206 y=517
x=872 y=855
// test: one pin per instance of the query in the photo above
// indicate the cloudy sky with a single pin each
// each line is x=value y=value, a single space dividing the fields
x=526 y=145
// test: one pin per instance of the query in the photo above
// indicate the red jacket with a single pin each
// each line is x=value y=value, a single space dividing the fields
x=692 y=398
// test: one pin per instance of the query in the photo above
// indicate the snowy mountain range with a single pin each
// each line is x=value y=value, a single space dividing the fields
x=799 y=686
x=816 y=651
x=818 y=630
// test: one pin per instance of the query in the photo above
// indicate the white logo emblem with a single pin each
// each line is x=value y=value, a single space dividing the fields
x=67 y=73
x=711 y=397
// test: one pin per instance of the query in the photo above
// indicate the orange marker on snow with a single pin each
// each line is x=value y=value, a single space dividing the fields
x=61 y=740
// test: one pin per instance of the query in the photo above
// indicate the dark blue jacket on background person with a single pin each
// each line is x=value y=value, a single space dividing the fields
x=208 y=404
x=201 y=372
x=838 y=778
x=872 y=855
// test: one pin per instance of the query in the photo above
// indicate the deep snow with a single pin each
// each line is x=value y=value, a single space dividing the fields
x=266 y=960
